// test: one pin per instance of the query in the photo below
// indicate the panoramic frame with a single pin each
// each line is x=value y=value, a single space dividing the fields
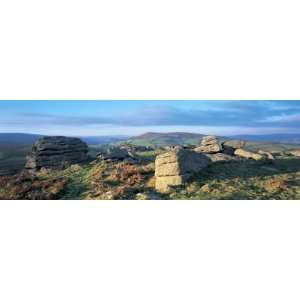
x=149 y=150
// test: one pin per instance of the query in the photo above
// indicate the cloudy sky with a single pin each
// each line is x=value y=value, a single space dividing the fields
x=136 y=117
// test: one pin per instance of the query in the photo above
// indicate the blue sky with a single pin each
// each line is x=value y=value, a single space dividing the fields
x=76 y=118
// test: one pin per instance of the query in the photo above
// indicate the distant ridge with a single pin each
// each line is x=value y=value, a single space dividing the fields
x=153 y=138
x=150 y=135
x=283 y=138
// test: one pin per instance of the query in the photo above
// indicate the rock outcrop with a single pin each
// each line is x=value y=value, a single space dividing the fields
x=209 y=144
x=248 y=154
x=56 y=152
x=230 y=146
x=176 y=167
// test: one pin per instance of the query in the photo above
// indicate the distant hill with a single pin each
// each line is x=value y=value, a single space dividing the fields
x=29 y=139
x=284 y=138
x=18 y=138
x=165 y=139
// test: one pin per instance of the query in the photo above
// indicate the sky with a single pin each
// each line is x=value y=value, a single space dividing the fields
x=104 y=118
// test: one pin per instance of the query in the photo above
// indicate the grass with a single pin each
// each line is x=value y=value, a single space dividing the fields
x=244 y=180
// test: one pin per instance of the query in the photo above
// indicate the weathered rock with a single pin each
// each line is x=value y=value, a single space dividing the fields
x=175 y=167
x=248 y=154
x=230 y=146
x=221 y=157
x=209 y=144
x=267 y=154
x=56 y=152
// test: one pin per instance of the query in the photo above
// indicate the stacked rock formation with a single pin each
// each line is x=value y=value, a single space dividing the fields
x=56 y=152
x=209 y=144
x=176 y=167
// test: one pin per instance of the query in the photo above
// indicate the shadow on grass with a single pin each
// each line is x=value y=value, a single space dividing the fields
x=247 y=169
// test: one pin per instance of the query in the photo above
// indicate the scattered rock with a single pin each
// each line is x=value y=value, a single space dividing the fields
x=176 y=167
x=209 y=144
x=221 y=157
x=56 y=152
x=248 y=154
x=230 y=146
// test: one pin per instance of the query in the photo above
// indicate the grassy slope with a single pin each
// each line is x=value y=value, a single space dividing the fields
x=12 y=157
x=232 y=180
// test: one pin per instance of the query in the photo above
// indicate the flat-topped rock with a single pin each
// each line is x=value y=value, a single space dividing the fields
x=56 y=152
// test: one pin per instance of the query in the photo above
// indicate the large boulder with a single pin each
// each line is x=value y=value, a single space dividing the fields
x=230 y=146
x=209 y=144
x=56 y=152
x=176 y=167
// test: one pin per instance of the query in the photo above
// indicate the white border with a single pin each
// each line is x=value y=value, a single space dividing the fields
x=160 y=49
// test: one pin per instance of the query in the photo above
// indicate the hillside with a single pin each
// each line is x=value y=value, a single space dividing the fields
x=18 y=138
